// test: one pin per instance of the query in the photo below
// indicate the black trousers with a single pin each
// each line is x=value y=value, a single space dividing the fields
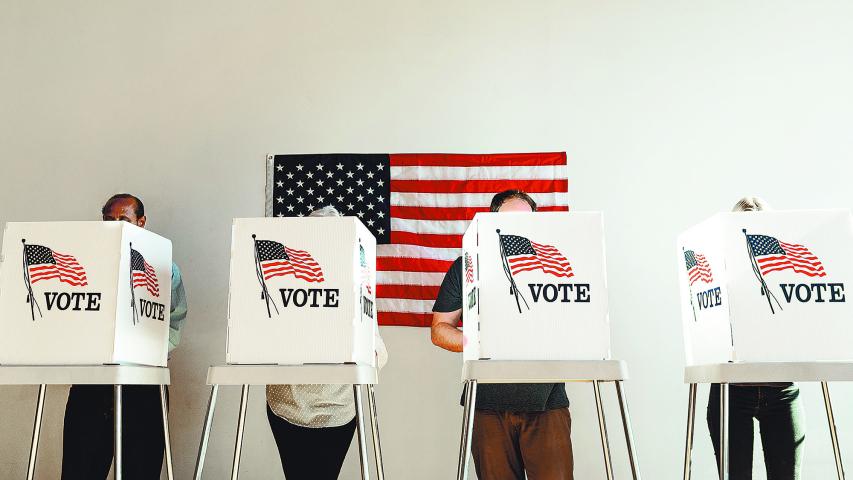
x=87 y=446
x=310 y=453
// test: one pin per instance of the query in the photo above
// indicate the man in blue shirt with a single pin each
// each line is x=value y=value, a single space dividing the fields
x=87 y=450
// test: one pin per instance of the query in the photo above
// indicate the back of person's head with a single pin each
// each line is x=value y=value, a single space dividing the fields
x=751 y=204
x=327 y=211
x=500 y=198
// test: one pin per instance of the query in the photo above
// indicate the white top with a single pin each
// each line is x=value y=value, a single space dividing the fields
x=318 y=405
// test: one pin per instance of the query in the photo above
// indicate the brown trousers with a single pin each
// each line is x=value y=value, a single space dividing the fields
x=505 y=444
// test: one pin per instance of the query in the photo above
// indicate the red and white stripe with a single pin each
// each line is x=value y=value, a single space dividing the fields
x=433 y=198
x=797 y=257
x=147 y=279
x=301 y=265
x=66 y=269
x=702 y=270
x=547 y=258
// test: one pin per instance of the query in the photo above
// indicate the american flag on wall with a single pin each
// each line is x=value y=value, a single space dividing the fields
x=417 y=205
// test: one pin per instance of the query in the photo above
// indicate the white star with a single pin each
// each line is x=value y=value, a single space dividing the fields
x=380 y=183
x=310 y=191
x=320 y=182
x=299 y=199
x=380 y=167
x=319 y=166
x=370 y=206
x=360 y=198
x=290 y=175
x=360 y=214
x=380 y=231
x=280 y=199
x=350 y=174
x=290 y=191
x=369 y=174
x=340 y=166
x=321 y=199
x=360 y=182
x=330 y=174
x=370 y=222
x=280 y=214
x=310 y=208
x=299 y=183
x=279 y=184
x=360 y=166
x=380 y=214
x=309 y=175
x=340 y=183
x=350 y=205
x=290 y=208
x=330 y=190
x=299 y=167
x=301 y=214
x=380 y=198
x=340 y=198
x=349 y=190
x=370 y=191
x=279 y=167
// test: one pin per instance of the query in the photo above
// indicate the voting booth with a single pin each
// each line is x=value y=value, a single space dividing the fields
x=535 y=287
x=767 y=286
x=302 y=290
x=84 y=293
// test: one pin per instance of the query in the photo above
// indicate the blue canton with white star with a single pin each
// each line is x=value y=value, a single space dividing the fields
x=764 y=245
x=357 y=185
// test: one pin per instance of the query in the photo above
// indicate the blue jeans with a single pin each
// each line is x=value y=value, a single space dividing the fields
x=780 y=423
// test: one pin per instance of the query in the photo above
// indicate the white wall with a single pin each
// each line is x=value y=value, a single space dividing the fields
x=669 y=111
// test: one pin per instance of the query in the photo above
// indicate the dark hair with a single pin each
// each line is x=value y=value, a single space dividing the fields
x=139 y=210
x=500 y=198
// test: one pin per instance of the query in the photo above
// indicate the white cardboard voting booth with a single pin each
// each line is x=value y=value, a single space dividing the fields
x=535 y=287
x=84 y=293
x=767 y=286
x=303 y=290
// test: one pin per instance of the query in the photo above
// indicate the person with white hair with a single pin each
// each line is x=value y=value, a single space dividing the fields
x=776 y=407
x=313 y=425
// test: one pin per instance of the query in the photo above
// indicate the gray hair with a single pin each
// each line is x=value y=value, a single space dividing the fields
x=327 y=211
x=751 y=204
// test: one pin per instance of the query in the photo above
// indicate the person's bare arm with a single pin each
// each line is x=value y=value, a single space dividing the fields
x=445 y=331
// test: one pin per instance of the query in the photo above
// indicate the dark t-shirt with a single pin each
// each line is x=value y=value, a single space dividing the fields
x=513 y=397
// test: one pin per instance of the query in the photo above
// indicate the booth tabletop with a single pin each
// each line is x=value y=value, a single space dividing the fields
x=341 y=374
x=544 y=371
x=759 y=372
x=83 y=375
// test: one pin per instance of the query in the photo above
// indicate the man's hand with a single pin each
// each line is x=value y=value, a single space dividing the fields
x=445 y=331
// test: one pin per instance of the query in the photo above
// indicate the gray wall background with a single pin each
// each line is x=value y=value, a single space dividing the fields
x=669 y=111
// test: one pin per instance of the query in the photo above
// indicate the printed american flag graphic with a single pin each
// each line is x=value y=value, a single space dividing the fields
x=45 y=264
x=277 y=260
x=143 y=273
x=469 y=269
x=417 y=205
x=698 y=267
x=524 y=255
x=773 y=255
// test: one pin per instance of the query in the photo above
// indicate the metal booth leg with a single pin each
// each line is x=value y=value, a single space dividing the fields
x=691 y=419
x=205 y=433
x=629 y=434
x=602 y=427
x=34 y=446
x=374 y=426
x=832 y=431
x=117 y=465
x=241 y=425
x=724 y=431
x=359 y=423
x=467 y=429
x=165 y=409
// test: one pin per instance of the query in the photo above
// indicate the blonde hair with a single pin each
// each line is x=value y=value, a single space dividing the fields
x=751 y=204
